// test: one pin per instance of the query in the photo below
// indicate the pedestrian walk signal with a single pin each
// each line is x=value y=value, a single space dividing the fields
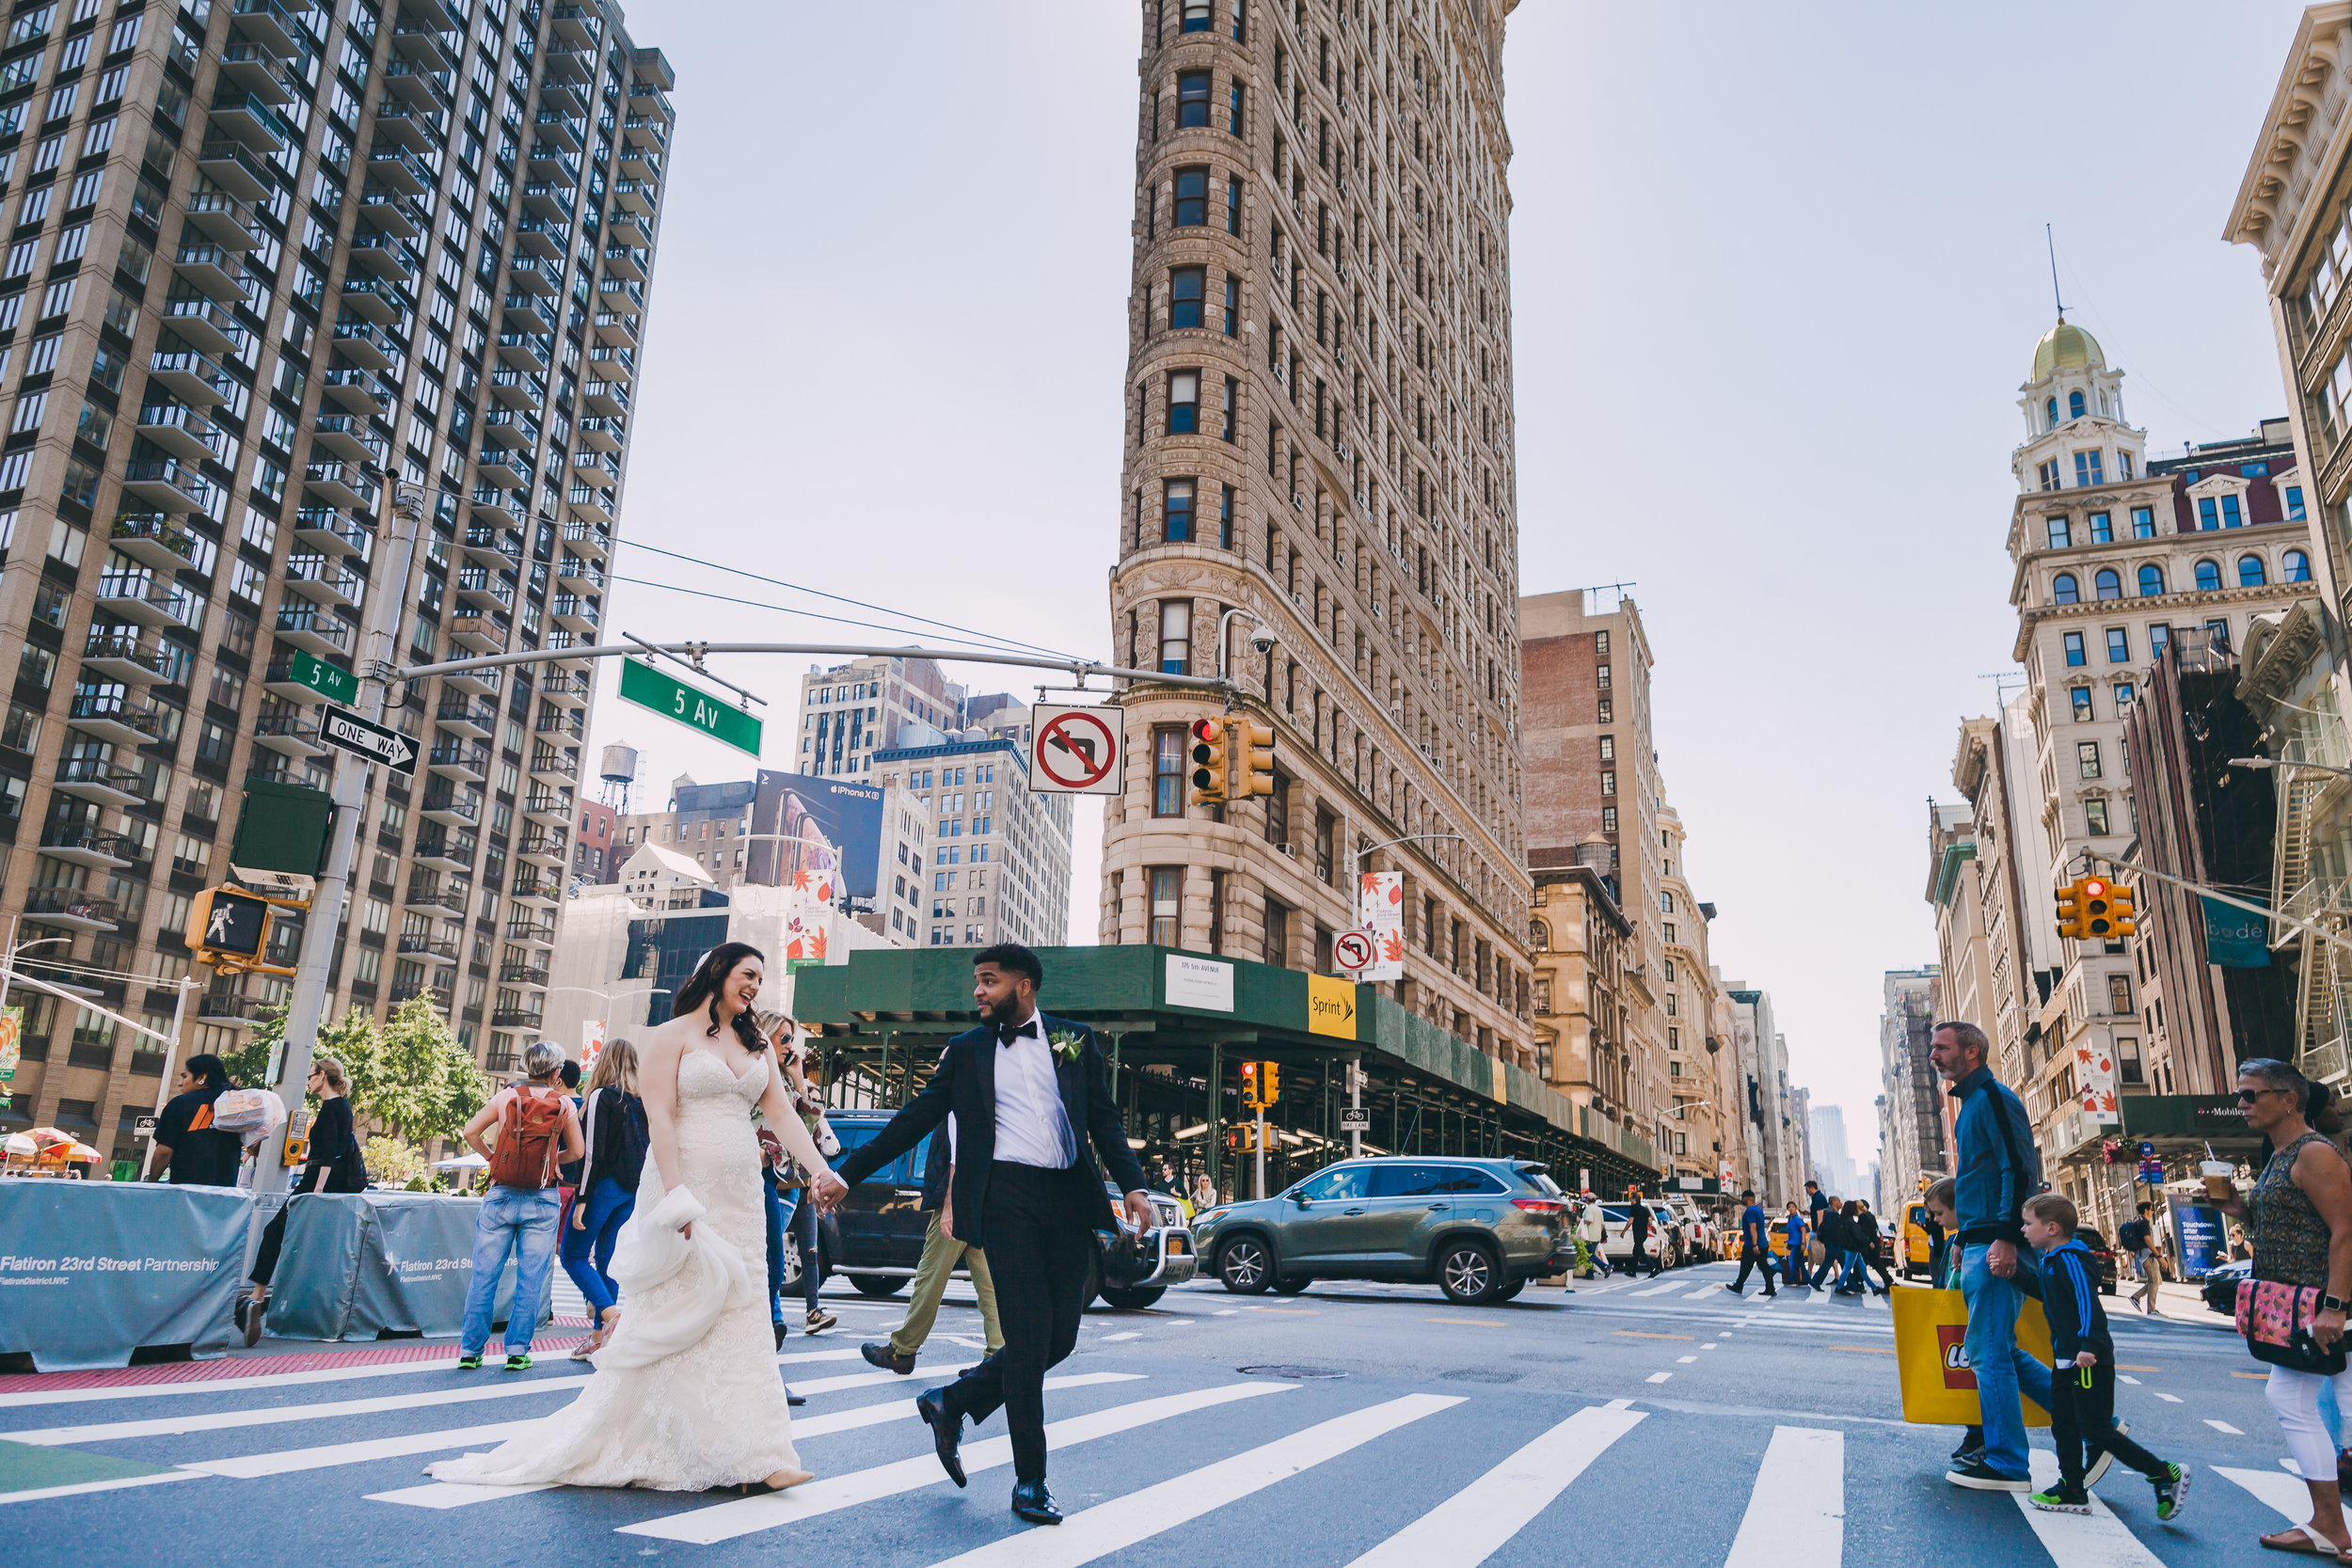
x=1257 y=758
x=1207 y=739
x=228 y=928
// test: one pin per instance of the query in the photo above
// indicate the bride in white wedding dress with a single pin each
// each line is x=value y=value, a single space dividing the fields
x=686 y=1395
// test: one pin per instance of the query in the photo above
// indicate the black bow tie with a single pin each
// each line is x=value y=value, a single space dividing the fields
x=1008 y=1033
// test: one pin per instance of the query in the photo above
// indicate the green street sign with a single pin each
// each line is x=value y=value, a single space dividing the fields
x=331 y=681
x=715 y=717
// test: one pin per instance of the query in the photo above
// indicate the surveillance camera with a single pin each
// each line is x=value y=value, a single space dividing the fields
x=1261 y=640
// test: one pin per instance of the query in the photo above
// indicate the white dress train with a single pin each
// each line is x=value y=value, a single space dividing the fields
x=686 y=1395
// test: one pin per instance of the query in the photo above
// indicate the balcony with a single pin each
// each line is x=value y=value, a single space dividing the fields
x=596 y=503
x=441 y=848
x=577 y=611
x=390 y=212
x=399 y=171
x=333 y=532
x=630 y=229
x=566 y=687
x=365 y=344
x=425 y=46
x=449 y=806
x=191 y=377
x=617 y=293
x=235 y=1012
x=640 y=163
x=204 y=324
x=421 y=85
x=412 y=945
x=116 y=717
x=525 y=351
x=347 y=436
x=545 y=198
x=532 y=887
x=549 y=847
x=484 y=589
x=561 y=130
x=437 y=997
x=250 y=120
x=375 y=299
x=149 y=600
x=80 y=845
x=500 y=508
x=70 y=906
x=358 y=392
x=595 y=468
x=151 y=539
x=505 y=468
x=612 y=364
x=534 y=276
x=315 y=630
x=431 y=898
x=234 y=169
x=538 y=934
x=480 y=634
x=571 y=62
x=523 y=974
x=95 y=778
x=481 y=683
x=517 y=1017
x=544 y=238
x=325 y=580
x=517 y=389
x=577 y=574
x=225 y=219
x=454 y=759
x=578 y=25
x=445 y=16
x=174 y=486
x=590 y=539
x=613 y=326
x=288 y=734
x=271 y=25
x=468 y=716
x=114 y=654
x=341 y=485
x=560 y=724
x=409 y=125
x=607 y=399
x=648 y=132
x=556 y=765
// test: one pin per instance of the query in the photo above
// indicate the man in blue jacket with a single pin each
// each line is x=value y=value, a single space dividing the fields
x=1996 y=1171
x=1755 y=1248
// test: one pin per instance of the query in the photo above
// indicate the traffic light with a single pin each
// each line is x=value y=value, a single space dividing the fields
x=1269 y=1081
x=2123 y=910
x=1257 y=758
x=1250 y=1087
x=2098 y=913
x=2069 y=910
x=1207 y=739
x=228 y=928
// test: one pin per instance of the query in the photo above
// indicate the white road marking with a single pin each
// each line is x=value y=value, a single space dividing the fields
x=745 y=1516
x=1107 y=1528
x=2095 y=1540
x=1686 y=1360
x=2223 y=1426
x=2126 y=1377
x=1797 y=1511
x=1481 y=1518
x=2287 y=1494
x=1702 y=1293
x=1706 y=1347
x=1114 y=1338
x=222 y=1420
x=1660 y=1377
x=1658 y=1290
x=1225 y=1312
x=37 y=1493
x=2169 y=1398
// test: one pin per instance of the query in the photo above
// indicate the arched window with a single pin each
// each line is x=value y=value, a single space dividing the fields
x=2151 y=581
x=2249 y=572
x=2298 y=567
x=2208 y=576
x=2063 y=589
x=2073 y=405
x=1538 y=936
x=2110 y=583
x=2053 y=411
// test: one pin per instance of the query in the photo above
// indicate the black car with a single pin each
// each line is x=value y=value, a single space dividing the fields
x=875 y=1237
x=2102 y=1257
x=2219 y=1285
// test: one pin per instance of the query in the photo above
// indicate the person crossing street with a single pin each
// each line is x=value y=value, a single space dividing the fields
x=1755 y=1248
x=1637 y=1223
x=943 y=1254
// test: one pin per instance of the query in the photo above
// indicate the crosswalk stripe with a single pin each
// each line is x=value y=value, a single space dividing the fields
x=221 y=1421
x=2286 y=1493
x=1098 y=1531
x=1797 y=1512
x=2095 y=1540
x=1658 y=1290
x=745 y=1516
x=1703 y=1293
x=39 y=1493
x=1474 y=1523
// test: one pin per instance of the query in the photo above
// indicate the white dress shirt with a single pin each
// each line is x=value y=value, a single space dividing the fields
x=1032 y=1128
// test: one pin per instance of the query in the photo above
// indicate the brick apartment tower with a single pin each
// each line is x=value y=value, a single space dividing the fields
x=1319 y=430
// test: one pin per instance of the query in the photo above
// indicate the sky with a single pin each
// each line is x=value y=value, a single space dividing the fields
x=1778 y=273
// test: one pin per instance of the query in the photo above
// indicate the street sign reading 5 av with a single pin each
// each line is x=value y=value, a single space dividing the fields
x=672 y=698
x=1075 y=751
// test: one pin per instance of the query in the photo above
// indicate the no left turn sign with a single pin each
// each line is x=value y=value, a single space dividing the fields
x=1352 y=950
x=1074 y=751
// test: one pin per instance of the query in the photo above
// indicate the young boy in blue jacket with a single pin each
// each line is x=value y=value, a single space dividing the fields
x=2082 y=1385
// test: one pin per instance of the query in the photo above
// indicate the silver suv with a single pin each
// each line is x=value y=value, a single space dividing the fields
x=1480 y=1229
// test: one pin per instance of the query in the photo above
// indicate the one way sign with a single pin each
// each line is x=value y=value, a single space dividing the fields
x=342 y=728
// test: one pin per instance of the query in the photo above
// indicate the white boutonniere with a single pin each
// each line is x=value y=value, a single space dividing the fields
x=1066 y=1044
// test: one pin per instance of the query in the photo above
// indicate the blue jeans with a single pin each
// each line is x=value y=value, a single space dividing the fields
x=514 y=1220
x=2003 y=1370
x=1858 y=1274
x=789 y=1216
x=587 y=1250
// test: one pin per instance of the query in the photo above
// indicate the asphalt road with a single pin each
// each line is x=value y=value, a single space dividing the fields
x=1656 y=1420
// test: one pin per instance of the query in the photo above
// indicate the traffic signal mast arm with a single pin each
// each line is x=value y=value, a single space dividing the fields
x=2333 y=938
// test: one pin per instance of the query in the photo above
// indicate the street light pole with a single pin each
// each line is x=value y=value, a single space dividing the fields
x=1356 y=891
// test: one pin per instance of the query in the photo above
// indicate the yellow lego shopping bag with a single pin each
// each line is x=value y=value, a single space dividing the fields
x=1930 y=1353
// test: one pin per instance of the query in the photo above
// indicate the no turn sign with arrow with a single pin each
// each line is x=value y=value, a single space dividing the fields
x=1353 y=951
x=1075 y=751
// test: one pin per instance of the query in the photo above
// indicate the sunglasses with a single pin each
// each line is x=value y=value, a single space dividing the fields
x=2246 y=1097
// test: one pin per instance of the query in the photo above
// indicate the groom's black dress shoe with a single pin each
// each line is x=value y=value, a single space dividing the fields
x=1031 y=1501
x=946 y=1433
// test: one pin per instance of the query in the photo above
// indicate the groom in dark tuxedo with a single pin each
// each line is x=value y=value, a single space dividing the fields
x=1030 y=1093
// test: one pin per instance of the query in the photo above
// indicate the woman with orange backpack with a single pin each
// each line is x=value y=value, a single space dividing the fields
x=537 y=1131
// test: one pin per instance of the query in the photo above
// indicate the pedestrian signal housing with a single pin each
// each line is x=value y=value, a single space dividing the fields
x=1257 y=758
x=1269 y=1081
x=228 y=927
x=2123 y=910
x=1207 y=739
x=2069 y=910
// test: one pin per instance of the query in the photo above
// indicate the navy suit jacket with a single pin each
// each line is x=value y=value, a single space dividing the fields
x=965 y=1083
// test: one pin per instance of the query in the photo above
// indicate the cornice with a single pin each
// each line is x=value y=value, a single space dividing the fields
x=2287 y=130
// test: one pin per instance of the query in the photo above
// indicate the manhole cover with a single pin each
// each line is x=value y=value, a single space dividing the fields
x=1302 y=1372
x=1481 y=1374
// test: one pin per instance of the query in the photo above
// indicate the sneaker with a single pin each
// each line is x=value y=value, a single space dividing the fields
x=2099 y=1467
x=470 y=1362
x=1980 y=1477
x=519 y=1362
x=2065 y=1498
x=2171 y=1491
x=819 y=1320
x=1967 y=1450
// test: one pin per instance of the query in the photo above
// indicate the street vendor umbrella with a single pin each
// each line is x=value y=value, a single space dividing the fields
x=462 y=1162
x=20 y=1146
x=80 y=1151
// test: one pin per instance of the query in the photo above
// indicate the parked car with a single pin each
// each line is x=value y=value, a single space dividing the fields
x=875 y=1237
x=1479 y=1229
x=2102 y=1257
x=1618 y=1227
x=2219 y=1285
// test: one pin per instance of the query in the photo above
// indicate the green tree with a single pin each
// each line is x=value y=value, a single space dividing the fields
x=350 y=1039
x=418 y=1082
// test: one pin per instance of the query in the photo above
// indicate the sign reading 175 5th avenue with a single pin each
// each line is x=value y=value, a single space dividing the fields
x=672 y=698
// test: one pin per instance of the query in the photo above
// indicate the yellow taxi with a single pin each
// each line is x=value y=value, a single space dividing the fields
x=1918 y=1246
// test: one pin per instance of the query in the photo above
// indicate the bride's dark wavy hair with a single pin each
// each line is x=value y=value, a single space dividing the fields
x=702 y=987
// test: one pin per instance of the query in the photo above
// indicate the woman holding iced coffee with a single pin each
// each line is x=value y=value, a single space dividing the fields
x=2291 y=1306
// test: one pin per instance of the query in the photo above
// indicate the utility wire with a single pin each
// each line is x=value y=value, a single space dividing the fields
x=782 y=610
x=838 y=599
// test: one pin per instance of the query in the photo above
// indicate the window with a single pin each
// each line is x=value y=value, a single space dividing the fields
x=1608 y=748
x=2088 y=469
x=2050 y=410
x=1225 y=515
x=1176 y=511
x=2151 y=581
x=2101 y=528
x=1196 y=18
x=1231 y=432
x=2118 y=645
x=2294 y=503
x=1185 y=286
x=1183 y=402
x=2208 y=577
x=1176 y=633
x=2294 y=567
x=2127 y=1068
x=2087 y=759
x=1275 y=948
x=1192 y=196
x=2064 y=590
x=2048 y=474
x=2249 y=572
x=1168 y=773
x=1609 y=781
x=2081 y=700
x=2122 y=698
x=2217 y=511
x=1232 y=212
x=2095 y=818
x=2159 y=639
x=2075 y=649
x=2061 y=531
x=1192 y=99
x=1233 y=304
x=2143 y=522
x=2073 y=405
